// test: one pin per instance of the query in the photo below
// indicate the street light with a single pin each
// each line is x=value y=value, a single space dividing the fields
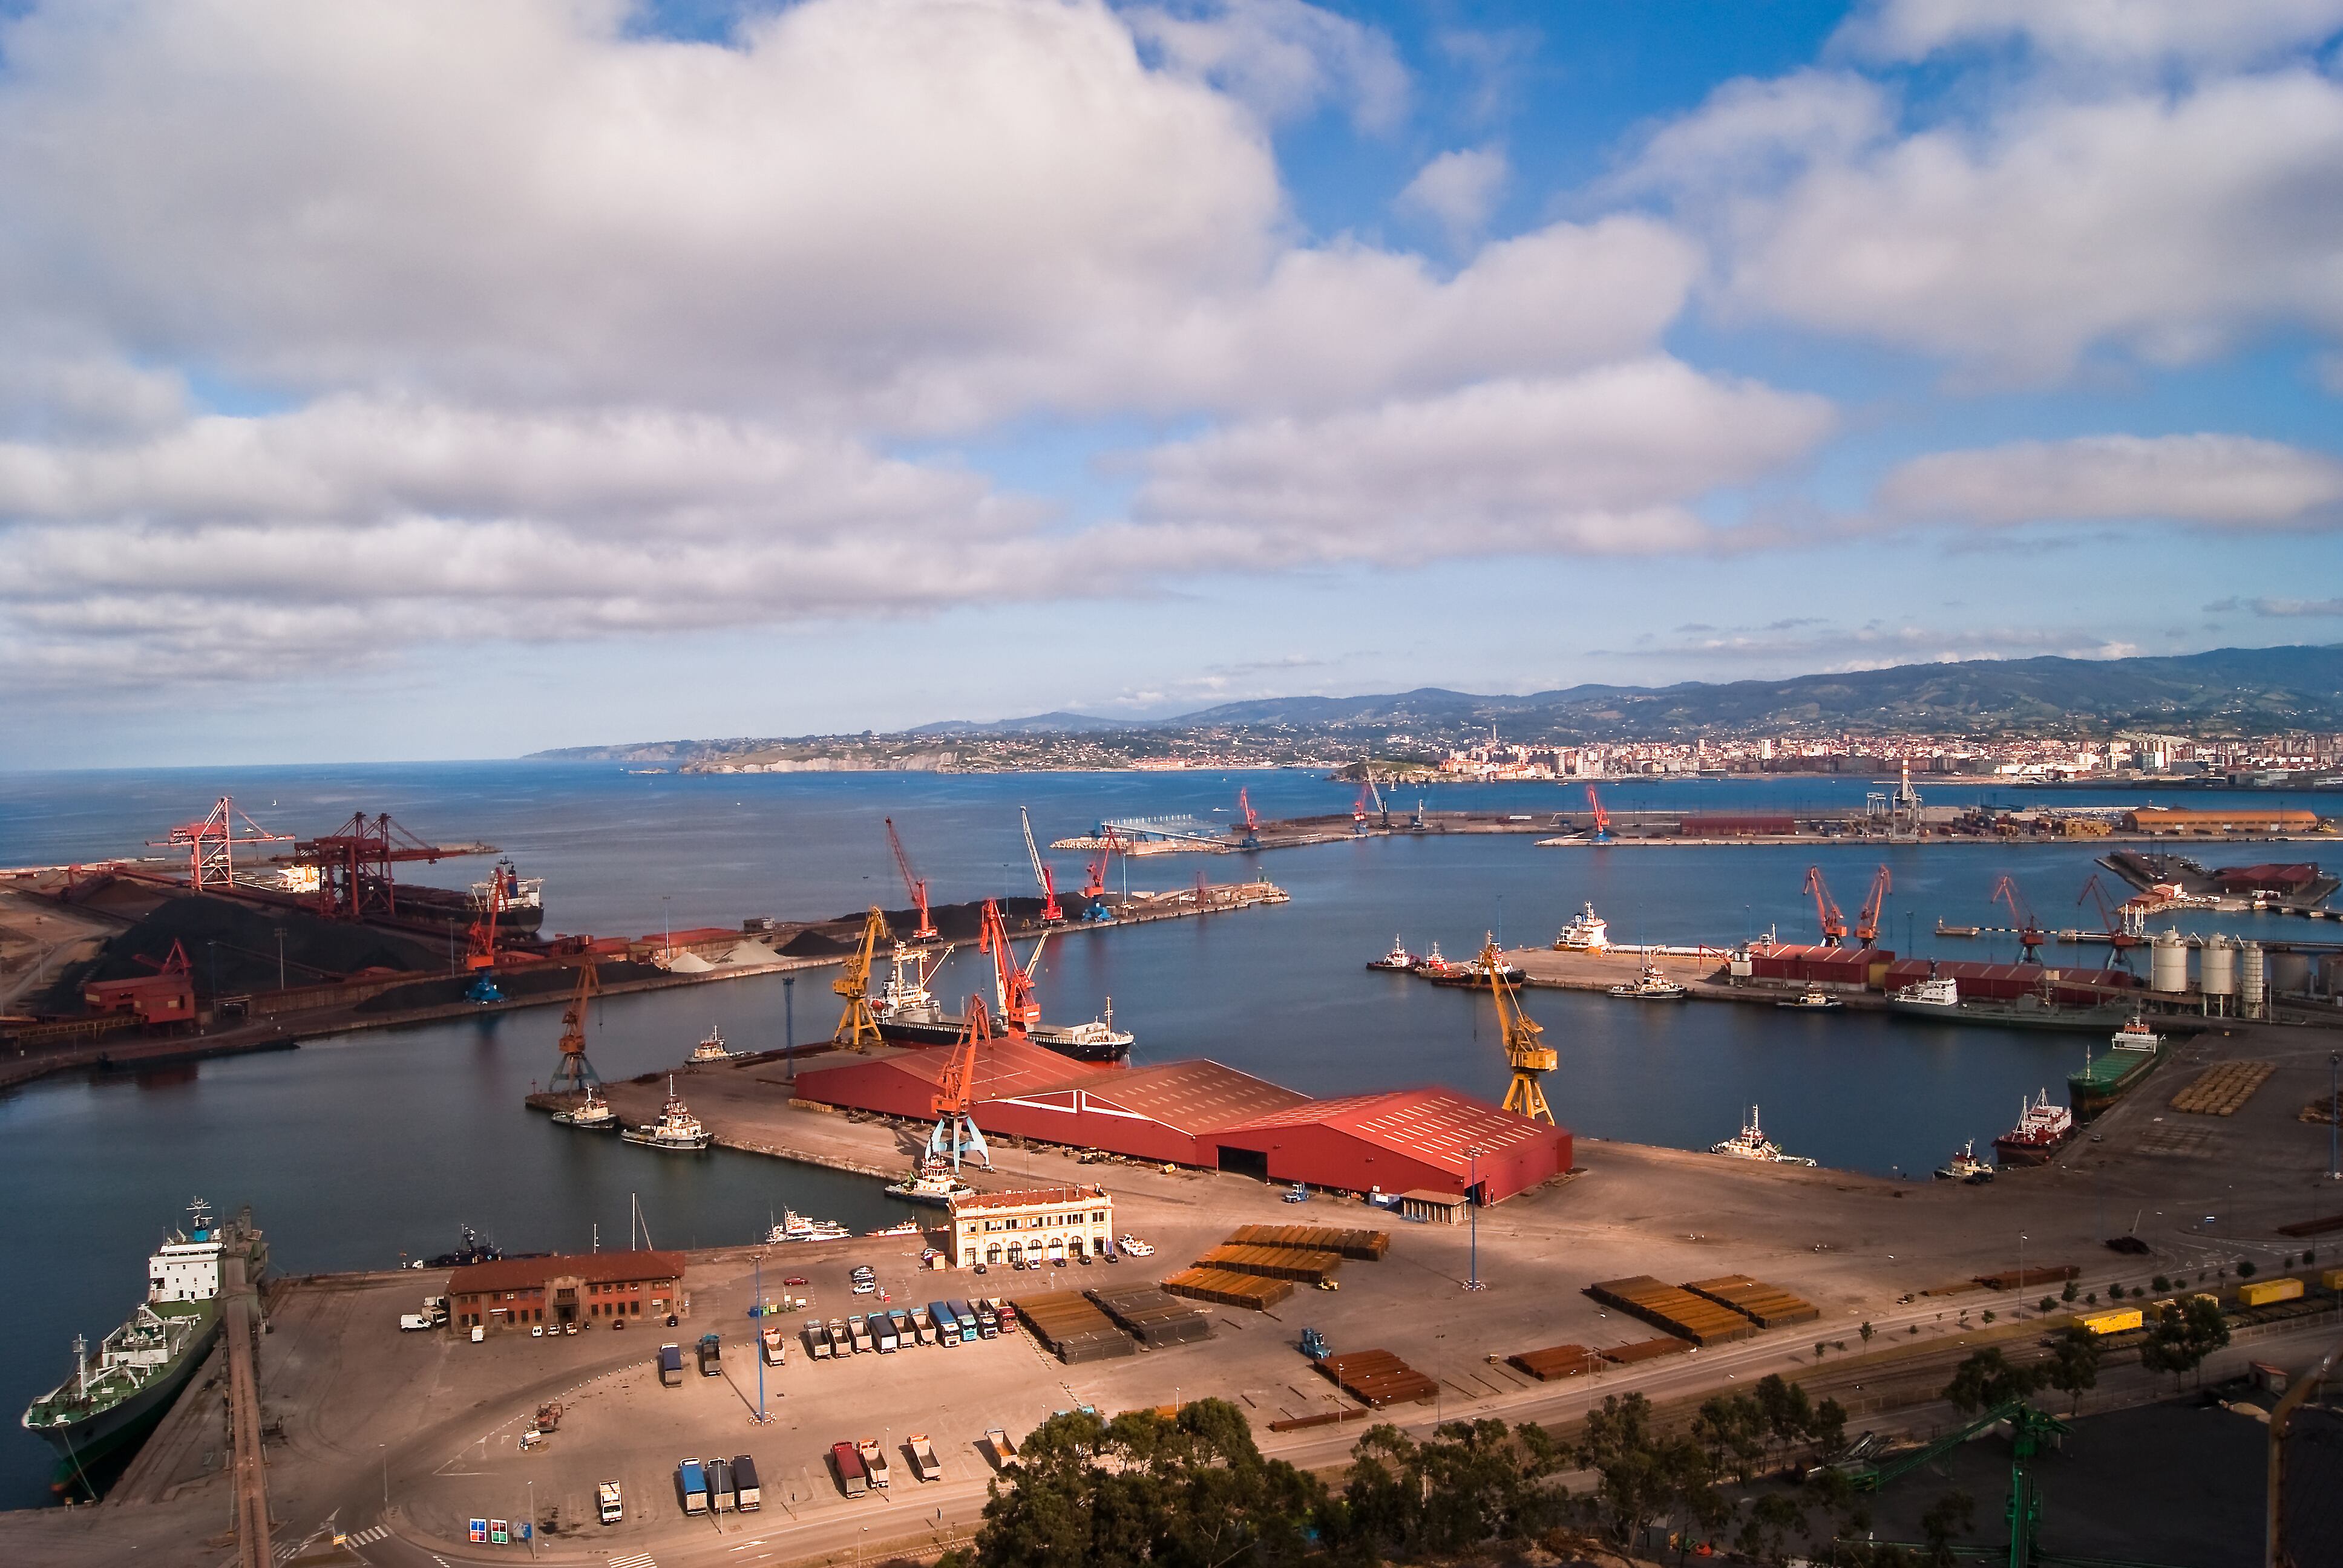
x=386 y=1472
x=1472 y=1205
x=2334 y=1125
x=2021 y=1273
x=789 y=1024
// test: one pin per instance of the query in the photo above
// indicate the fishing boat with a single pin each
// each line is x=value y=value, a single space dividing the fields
x=934 y=1182
x=1650 y=985
x=2042 y=1130
x=1398 y=960
x=1588 y=932
x=796 y=1227
x=1750 y=1143
x=591 y=1114
x=114 y=1398
x=1965 y=1166
x=1814 y=999
x=676 y=1127
x=712 y=1048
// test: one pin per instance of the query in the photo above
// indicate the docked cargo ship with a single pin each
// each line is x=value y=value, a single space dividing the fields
x=1588 y=932
x=2103 y=1080
x=114 y=1398
x=908 y=1013
x=2041 y=1132
x=1938 y=998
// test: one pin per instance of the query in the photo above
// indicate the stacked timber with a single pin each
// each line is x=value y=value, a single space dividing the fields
x=1071 y=1328
x=2223 y=1090
x=1770 y=1305
x=1363 y=1246
x=1225 y=1288
x=1636 y=1351
x=1300 y=1266
x=1674 y=1308
x=1152 y=1316
x=1378 y=1378
x=1556 y=1361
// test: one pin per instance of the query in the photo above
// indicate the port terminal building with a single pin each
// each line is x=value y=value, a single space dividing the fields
x=1047 y=1223
x=521 y=1293
x=1209 y=1116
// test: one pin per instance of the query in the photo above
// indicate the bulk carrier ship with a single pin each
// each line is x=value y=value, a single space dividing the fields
x=112 y=1400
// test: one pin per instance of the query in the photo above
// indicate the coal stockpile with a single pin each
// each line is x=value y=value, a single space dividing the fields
x=1273 y=1262
x=1378 y=1378
x=1072 y=1329
x=1670 y=1307
x=953 y=923
x=232 y=946
x=1556 y=1361
x=1224 y=1289
x=1147 y=1311
x=1363 y=1246
x=1646 y=1350
x=1770 y=1305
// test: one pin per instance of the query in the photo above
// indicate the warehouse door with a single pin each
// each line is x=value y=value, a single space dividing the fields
x=1253 y=1162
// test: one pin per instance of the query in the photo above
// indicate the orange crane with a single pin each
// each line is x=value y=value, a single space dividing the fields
x=916 y=886
x=1526 y=1052
x=857 y=1026
x=955 y=1132
x=1866 y=918
x=1013 y=984
x=1094 y=881
x=2125 y=922
x=1050 y=913
x=1834 y=924
x=481 y=944
x=1251 y=840
x=1602 y=817
x=2030 y=934
x=576 y=1072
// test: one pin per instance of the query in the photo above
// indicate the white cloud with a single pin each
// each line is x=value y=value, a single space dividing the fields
x=1283 y=58
x=1606 y=462
x=1458 y=190
x=2230 y=31
x=2210 y=480
x=1805 y=645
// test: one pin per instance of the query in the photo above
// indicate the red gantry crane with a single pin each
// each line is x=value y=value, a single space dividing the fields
x=1013 y=983
x=1866 y=918
x=1826 y=912
x=916 y=886
x=576 y=1072
x=353 y=864
x=955 y=1132
x=1094 y=878
x=2125 y=922
x=2030 y=934
x=211 y=844
x=1050 y=913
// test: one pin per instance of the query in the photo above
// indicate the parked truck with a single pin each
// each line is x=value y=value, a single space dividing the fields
x=711 y=1356
x=847 y=1460
x=671 y=1363
x=817 y=1339
x=606 y=1499
x=947 y=1326
x=719 y=1485
x=747 y=1496
x=924 y=1463
x=691 y=1484
x=966 y=1316
x=882 y=1329
x=865 y=1343
x=874 y=1461
x=776 y=1347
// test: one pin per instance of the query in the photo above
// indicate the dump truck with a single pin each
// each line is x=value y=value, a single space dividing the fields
x=776 y=1347
x=847 y=1460
x=692 y=1485
x=609 y=1503
x=719 y=1485
x=923 y=1326
x=900 y=1320
x=1004 y=1450
x=670 y=1365
x=874 y=1461
x=711 y=1356
x=840 y=1341
x=747 y=1496
x=865 y=1343
x=817 y=1339
x=924 y=1463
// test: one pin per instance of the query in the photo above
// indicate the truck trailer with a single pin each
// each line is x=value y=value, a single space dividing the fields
x=747 y=1496
x=692 y=1485
x=848 y=1461
x=670 y=1365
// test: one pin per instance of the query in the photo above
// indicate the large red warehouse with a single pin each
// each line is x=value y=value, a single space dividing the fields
x=1405 y=1140
x=1170 y=1112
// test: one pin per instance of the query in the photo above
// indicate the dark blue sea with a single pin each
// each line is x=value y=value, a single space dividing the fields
x=358 y=1150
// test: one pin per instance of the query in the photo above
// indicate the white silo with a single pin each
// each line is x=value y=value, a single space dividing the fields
x=2167 y=962
x=2250 y=979
x=2218 y=973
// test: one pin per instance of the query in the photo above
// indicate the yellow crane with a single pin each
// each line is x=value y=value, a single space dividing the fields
x=857 y=1026
x=1525 y=1049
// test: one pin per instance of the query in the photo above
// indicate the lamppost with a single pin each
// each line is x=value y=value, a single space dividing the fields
x=2021 y=1273
x=789 y=1024
x=386 y=1472
x=1472 y=1206
x=666 y=926
x=530 y=1525
x=761 y=1417
x=280 y=957
x=2334 y=1125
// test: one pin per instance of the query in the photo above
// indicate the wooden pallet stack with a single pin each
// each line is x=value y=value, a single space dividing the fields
x=2223 y=1090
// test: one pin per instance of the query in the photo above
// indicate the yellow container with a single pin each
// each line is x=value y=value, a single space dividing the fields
x=2262 y=1293
x=2113 y=1322
x=2332 y=1280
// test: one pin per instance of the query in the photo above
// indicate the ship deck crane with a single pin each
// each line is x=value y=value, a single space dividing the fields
x=1875 y=902
x=576 y=1072
x=211 y=844
x=1251 y=840
x=857 y=1026
x=1050 y=913
x=2030 y=934
x=1526 y=1052
x=955 y=1134
x=1013 y=983
x=1826 y=912
x=1602 y=817
x=915 y=885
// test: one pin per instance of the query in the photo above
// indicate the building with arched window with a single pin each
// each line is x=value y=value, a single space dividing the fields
x=1044 y=1225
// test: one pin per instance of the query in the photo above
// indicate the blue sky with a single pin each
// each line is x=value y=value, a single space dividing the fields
x=432 y=380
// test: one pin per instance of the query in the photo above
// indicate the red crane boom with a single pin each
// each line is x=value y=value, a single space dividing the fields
x=1013 y=984
x=1094 y=881
x=1602 y=817
x=1867 y=919
x=916 y=886
x=2030 y=934
x=1826 y=912
x=1251 y=817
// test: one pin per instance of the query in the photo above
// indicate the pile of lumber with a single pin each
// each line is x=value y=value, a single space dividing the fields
x=2223 y=1089
x=1225 y=1288
x=1156 y=1320
x=1072 y=1328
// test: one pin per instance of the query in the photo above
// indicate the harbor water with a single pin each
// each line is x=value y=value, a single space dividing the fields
x=364 y=1150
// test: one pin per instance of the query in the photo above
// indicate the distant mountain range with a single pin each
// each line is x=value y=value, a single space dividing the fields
x=2253 y=690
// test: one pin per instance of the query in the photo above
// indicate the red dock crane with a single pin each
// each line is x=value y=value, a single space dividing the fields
x=1602 y=817
x=1012 y=982
x=211 y=844
x=2127 y=922
x=354 y=876
x=576 y=1072
x=916 y=886
x=1834 y=924
x=2030 y=934
x=1094 y=878
x=1251 y=840
x=955 y=1132
x=1866 y=918
x=1050 y=913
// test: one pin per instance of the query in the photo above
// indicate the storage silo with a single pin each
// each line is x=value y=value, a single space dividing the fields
x=2217 y=971
x=2290 y=973
x=2167 y=962
x=2250 y=979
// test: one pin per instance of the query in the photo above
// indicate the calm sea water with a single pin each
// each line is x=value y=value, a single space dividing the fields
x=356 y=1150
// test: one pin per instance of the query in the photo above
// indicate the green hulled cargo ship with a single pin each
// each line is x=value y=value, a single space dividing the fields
x=113 y=1399
x=2108 y=1077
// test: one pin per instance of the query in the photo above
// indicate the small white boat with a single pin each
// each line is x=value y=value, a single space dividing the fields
x=1936 y=991
x=1816 y=1000
x=1965 y=1166
x=796 y=1227
x=2137 y=1035
x=1750 y=1143
x=934 y=1182
x=900 y=1228
x=677 y=1128
x=1650 y=985
x=591 y=1114
x=1399 y=959
x=1588 y=932
x=713 y=1048
x=1136 y=1248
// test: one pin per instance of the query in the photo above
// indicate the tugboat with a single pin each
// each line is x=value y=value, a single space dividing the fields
x=796 y=1227
x=1588 y=932
x=1398 y=960
x=1750 y=1143
x=1816 y=1000
x=473 y=1251
x=1650 y=985
x=677 y=1128
x=113 y=1399
x=1965 y=1166
x=1435 y=967
x=2042 y=1128
x=933 y=1181
x=1477 y=972
x=713 y=1048
x=1932 y=997
x=589 y=1115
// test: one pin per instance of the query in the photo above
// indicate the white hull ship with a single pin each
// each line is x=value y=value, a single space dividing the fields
x=1588 y=932
x=796 y=1227
x=1750 y=1143
x=933 y=1182
x=1399 y=959
x=591 y=1114
x=1965 y=1166
x=1650 y=985
x=677 y=1130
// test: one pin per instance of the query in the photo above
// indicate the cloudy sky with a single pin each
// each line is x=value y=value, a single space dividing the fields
x=441 y=378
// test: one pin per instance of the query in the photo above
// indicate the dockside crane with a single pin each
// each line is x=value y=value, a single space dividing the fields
x=1251 y=840
x=1834 y=924
x=211 y=844
x=1382 y=807
x=2030 y=934
x=576 y=1072
x=2127 y=922
x=355 y=880
x=1050 y=913
x=1875 y=902
x=913 y=884
x=955 y=1134
x=1526 y=1052
x=1094 y=878
x=481 y=946
x=857 y=1026
x=1013 y=986
x=1602 y=817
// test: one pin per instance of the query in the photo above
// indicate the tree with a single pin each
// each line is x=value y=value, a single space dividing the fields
x=1986 y=1381
x=1772 y=1519
x=2245 y=1268
x=1787 y=1412
x=2182 y=1336
x=1640 y=1477
x=1866 y=1330
x=1954 y=1513
x=1732 y=1429
x=2075 y=1364
x=2071 y=1291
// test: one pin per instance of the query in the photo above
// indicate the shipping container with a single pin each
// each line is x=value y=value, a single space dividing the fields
x=670 y=1365
x=2332 y=1280
x=2113 y=1322
x=848 y=1462
x=691 y=1484
x=747 y=1496
x=2262 y=1293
